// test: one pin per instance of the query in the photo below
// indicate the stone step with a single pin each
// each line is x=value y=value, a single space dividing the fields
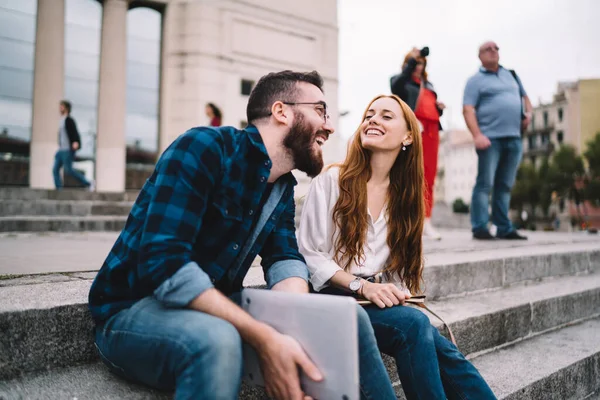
x=448 y=274
x=593 y=396
x=562 y=364
x=91 y=381
x=47 y=325
x=443 y=217
x=487 y=320
x=16 y=193
x=64 y=207
x=27 y=223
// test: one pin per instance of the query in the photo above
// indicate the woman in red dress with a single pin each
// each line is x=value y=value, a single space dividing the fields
x=414 y=88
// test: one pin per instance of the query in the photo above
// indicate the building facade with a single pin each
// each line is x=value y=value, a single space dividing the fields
x=140 y=72
x=572 y=118
x=439 y=188
x=460 y=166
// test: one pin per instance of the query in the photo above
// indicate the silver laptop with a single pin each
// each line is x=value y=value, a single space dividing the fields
x=326 y=328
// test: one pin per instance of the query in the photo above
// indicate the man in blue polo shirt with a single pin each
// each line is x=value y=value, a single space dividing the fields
x=493 y=110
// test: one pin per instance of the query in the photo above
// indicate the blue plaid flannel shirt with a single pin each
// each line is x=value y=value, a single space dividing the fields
x=193 y=225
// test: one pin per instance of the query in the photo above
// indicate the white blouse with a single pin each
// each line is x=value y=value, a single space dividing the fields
x=316 y=240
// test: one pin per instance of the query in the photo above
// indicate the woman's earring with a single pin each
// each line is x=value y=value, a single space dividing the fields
x=403 y=148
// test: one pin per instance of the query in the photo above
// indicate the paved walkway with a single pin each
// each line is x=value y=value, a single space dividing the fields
x=22 y=254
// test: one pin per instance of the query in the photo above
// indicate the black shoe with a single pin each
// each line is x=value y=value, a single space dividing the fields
x=514 y=235
x=483 y=235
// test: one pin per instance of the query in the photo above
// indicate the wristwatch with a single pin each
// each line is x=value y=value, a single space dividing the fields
x=355 y=285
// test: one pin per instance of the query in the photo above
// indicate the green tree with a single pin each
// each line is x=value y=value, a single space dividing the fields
x=546 y=186
x=527 y=187
x=565 y=167
x=592 y=156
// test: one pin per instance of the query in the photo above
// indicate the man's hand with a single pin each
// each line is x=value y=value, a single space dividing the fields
x=440 y=105
x=75 y=146
x=383 y=294
x=280 y=356
x=482 y=142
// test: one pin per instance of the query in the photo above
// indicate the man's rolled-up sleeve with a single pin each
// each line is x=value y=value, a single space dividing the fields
x=285 y=269
x=189 y=282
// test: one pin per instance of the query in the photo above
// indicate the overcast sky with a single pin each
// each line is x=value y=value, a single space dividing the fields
x=545 y=41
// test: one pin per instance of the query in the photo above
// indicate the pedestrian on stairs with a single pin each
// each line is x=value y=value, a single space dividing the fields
x=68 y=143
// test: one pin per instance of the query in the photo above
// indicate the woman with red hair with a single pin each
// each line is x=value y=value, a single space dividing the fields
x=361 y=234
x=414 y=88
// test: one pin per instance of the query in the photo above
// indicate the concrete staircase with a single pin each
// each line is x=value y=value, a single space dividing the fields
x=69 y=210
x=527 y=315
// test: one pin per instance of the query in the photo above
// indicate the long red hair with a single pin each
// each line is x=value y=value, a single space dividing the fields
x=405 y=205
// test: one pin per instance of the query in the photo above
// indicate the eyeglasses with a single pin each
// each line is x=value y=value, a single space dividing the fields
x=490 y=48
x=321 y=108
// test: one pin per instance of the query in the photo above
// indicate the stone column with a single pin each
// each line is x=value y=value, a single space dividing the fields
x=110 y=142
x=166 y=77
x=48 y=82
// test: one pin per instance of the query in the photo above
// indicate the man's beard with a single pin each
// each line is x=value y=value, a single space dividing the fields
x=300 y=140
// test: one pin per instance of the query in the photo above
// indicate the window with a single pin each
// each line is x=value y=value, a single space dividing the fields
x=532 y=142
x=560 y=115
x=143 y=78
x=545 y=138
x=247 y=86
x=545 y=119
x=559 y=137
x=83 y=21
x=17 y=37
x=16 y=84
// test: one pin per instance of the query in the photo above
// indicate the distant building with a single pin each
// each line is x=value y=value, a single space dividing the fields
x=460 y=165
x=439 y=189
x=573 y=118
x=142 y=71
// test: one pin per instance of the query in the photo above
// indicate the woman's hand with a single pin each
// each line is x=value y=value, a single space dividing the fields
x=440 y=105
x=383 y=294
x=415 y=52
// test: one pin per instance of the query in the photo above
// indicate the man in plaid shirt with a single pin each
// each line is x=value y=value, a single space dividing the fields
x=217 y=198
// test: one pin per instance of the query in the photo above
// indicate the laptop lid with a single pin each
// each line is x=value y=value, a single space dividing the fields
x=326 y=328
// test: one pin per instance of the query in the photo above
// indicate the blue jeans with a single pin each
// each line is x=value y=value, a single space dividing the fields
x=496 y=173
x=200 y=356
x=64 y=159
x=429 y=366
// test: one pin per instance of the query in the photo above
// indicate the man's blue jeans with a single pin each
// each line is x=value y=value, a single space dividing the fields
x=496 y=173
x=200 y=356
x=429 y=366
x=64 y=159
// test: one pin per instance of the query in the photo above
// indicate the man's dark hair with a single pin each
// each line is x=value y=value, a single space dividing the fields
x=67 y=105
x=277 y=86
